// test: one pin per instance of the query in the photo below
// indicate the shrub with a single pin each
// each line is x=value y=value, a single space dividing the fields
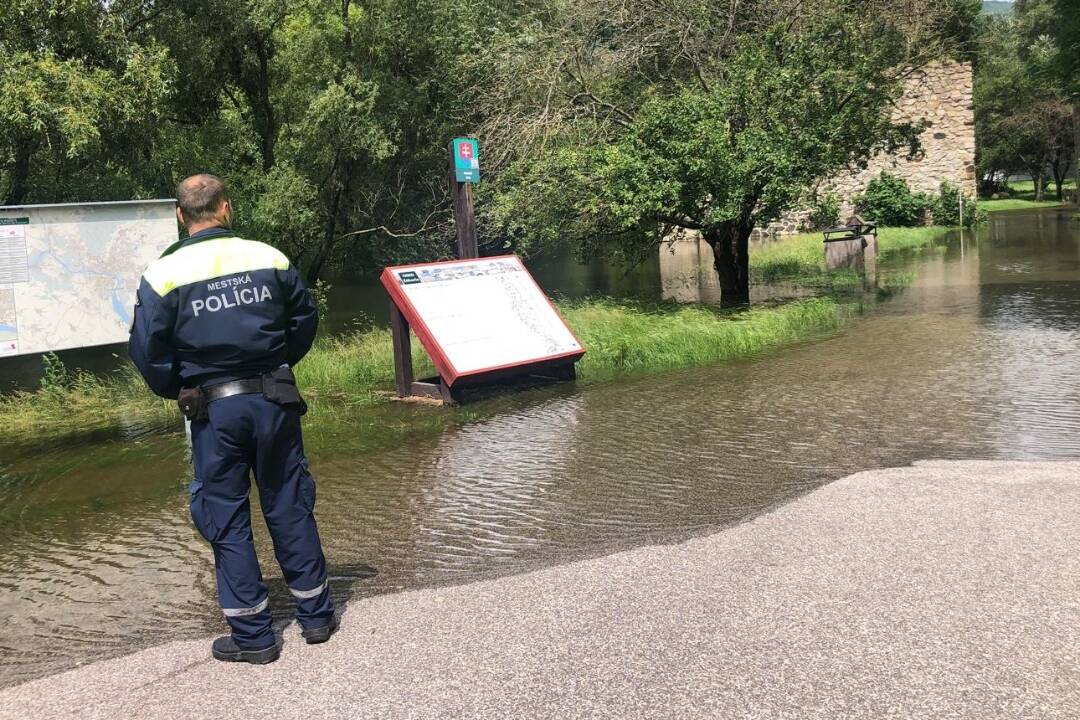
x=946 y=208
x=889 y=201
x=826 y=212
x=55 y=377
x=320 y=293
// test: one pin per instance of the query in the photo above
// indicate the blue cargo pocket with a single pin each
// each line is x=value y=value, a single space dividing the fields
x=307 y=485
x=200 y=514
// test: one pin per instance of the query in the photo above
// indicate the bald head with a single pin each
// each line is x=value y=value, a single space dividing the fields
x=201 y=202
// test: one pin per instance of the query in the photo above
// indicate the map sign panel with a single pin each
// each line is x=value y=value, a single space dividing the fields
x=68 y=273
x=480 y=316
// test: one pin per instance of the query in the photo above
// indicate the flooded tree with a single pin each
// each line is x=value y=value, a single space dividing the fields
x=607 y=125
x=620 y=125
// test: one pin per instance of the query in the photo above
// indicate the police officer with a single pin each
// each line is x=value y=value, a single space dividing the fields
x=218 y=322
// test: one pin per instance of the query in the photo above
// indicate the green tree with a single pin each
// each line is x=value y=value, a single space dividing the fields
x=83 y=101
x=1024 y=121
x=1067 y=36
x=329 y=117
x=633 y=136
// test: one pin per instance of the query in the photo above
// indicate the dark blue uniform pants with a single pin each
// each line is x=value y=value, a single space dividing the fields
x=250 y=433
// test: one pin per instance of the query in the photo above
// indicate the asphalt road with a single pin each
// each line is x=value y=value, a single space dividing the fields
x=946 y=590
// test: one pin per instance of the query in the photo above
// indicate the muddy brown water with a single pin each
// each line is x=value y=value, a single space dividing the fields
x=978 y=358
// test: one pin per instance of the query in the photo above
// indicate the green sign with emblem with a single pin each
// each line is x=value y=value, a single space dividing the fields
x=466 y=160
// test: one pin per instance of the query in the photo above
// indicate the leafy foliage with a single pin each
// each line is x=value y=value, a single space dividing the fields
x=621 y=142
x=82 y=102
x=825 y=213
x=1024 y=122
x=55 y=376
x=945 y=208
x=328 y=118
x=605 y=125
x=889 y=201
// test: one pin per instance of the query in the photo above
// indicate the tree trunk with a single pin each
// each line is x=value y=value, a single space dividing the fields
x=255 y=84
x=326 y=247
x=1076 y=150
x=322 y=252
x=265 y=121
x=20 y=173
x=730 y=243
x=1059 y=174
x=1040 y=187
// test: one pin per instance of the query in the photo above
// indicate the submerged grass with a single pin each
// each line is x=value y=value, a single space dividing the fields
x=799 y=258
x=625 y=339
x=344 y=373
x=81 y=401
x=357 y=371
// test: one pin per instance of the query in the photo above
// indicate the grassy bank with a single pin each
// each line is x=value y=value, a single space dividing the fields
x=798 y=258
x=1017 y=204
x=356 y=371
x=1023 y=197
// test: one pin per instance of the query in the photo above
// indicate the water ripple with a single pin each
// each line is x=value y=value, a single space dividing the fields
x=980 y=358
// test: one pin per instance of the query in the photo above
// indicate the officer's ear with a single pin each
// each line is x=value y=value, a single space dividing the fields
x=226 y=213
x=180 y=216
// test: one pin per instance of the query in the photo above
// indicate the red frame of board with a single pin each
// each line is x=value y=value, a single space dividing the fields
x=447 y=371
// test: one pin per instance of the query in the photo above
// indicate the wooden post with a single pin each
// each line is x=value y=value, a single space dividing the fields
x=405 y=382
x=845 y=253
x=403 y=369
x=464 y=216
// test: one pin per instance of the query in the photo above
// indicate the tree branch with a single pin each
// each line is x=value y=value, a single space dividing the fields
x=423 y=228
x=679 y=220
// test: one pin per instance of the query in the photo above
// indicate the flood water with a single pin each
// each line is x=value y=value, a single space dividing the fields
x=978 y=358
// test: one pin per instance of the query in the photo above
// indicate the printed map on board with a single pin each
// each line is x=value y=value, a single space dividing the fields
x=8 y=332
x=68 y=273
x=484 y=313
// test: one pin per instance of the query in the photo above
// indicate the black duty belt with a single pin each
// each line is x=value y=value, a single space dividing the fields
x=247 y=386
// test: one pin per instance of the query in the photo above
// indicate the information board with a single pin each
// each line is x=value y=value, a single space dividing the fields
x=68 y=273
x=480 y=316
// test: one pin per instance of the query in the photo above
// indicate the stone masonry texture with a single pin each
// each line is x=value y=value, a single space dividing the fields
x=939 y=94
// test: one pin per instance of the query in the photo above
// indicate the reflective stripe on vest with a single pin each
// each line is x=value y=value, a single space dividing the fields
x=308 y=594
x=210 y=259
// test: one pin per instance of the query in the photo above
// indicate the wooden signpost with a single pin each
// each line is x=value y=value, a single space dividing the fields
x=481 y=320
x=464 y=156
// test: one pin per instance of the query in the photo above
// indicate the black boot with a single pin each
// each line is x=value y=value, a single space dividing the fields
x=226 y=649
x=318 y=635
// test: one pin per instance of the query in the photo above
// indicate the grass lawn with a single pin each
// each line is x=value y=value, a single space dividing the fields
x=1023 y=197
x=1016 y=204
x=1027 y=187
